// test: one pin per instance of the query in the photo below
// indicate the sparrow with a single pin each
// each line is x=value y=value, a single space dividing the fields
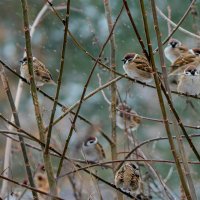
x=189 y=81
x=183 y=60
x=128 y=178
x=41 y=73
x=93 y=150
x=41 y=182
x=181 y=63
x=127 y=118
x=174 y=49
x=137 y=66
x=195 y=51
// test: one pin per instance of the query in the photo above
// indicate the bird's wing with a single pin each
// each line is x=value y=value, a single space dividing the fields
x=178 y=71
x=100 y=150
x=143 y=64
x=41 y=70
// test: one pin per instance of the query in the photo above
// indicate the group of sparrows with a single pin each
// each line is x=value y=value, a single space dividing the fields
x=185 y=65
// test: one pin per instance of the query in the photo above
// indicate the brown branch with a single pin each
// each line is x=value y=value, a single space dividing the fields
x=108 y=15
x=161 y=102
x=47 y=158
x=135 y=29
x=83 y=94
x=177 y=26
x=62 y=61
x=30 y=188
x=176 y=128
x=17 y=122
x=58 y=103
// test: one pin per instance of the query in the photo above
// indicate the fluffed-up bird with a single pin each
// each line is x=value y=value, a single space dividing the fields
x=174 y=49
x=92 y=150
x=127 y=118
x=189 y=80
x=41 y=73
x=138 y=67
x=128 y=178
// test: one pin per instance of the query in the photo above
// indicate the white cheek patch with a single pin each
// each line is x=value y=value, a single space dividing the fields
x=135 y=56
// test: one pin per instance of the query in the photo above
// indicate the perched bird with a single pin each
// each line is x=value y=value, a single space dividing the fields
x=137 y=66
x=195 y=51
x=181 y=63
x=41 y=182
x=41 y=73
x=174 y=49
x=93 y=150
x=189 y=81
x=128 y=178
x=183 y=60
x=126 y=118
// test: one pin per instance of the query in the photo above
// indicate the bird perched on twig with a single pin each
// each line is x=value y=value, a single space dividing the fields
x=138 y=67
x=41 y=181
x=189 y=81
x=93 y=150
x=41 y=73
x=128 y=178
x=183 y=60
x=195 y=51
x=174 y=49
x=127 y=118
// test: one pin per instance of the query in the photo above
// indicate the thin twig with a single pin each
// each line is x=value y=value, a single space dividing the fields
x=59 y=104
x=62 y=61
x=169 y=11
x=30 y=188
x=161 y=101
x=68 y=110
x=108 y=15
x=135 y=29
x=17 y=122
x=47 y=158
x=175 y=25
x=83 y=94
x=175 y=124
x=102 y=92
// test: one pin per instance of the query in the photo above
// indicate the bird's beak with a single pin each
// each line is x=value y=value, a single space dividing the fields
x=21 y=61
x=123 y=60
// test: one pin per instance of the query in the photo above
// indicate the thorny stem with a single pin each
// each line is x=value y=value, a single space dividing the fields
x=47 y=158
x=113 y=76
x=161 y=101
x=30 y=188
x=176 y=128
x=135 y=28
x=62 y=61
x=66 y=109
x=113 y=87
x=83 y=94
x=60 y=104
x=17 y=122
x=17 y=101
x=177 y=25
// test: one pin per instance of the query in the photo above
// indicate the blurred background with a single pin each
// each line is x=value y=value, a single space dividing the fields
x=89 y=26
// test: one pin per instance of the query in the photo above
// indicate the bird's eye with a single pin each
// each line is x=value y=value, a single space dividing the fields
x=25 y=59
x=196 y=73
x=124 y=60
x=130 y=59
x=187 y=73
x=91 y=142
